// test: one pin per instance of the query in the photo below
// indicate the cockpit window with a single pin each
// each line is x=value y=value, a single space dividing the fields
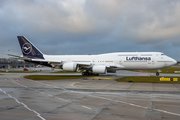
x=162 y=54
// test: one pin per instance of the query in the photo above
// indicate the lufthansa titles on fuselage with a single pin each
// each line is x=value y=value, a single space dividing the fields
x=138 y=58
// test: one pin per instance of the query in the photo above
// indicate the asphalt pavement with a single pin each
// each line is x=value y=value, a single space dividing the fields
x=91 y=99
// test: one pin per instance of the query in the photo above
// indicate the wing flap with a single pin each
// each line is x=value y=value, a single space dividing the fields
x=115 y=66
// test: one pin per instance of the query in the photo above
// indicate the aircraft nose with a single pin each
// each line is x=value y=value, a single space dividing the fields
x=174 y=61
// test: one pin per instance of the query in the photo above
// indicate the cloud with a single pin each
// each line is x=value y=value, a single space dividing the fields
x=53 y=15
x=143 y=20
x=165 y=22
x=91 y=26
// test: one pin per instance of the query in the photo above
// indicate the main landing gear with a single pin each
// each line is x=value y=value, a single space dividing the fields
x=87 y=73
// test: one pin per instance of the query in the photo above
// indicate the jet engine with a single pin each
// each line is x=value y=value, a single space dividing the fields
x=100 y=69
x=72 y=67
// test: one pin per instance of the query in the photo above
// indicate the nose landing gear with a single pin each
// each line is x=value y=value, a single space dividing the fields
x=157 y=74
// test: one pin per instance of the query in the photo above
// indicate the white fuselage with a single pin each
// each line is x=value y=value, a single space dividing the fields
x=96 y=64
x=125 y=60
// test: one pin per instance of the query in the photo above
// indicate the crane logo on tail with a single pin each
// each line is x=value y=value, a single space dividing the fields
x=26 y=48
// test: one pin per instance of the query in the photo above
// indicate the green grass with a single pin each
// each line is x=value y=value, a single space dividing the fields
x=52 y=77
x=146 y=80
x=18 y=72
x=169 y=70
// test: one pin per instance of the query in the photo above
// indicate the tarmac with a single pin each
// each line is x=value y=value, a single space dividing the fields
x=87 y=99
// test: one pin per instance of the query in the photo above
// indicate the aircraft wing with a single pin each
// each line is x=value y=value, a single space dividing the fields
x=114 y=66
x=84 y=64
x=108 y=66
x=59 y=63
x=90 y=65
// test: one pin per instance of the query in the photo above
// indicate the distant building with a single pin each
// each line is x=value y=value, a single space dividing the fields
x=14 y=63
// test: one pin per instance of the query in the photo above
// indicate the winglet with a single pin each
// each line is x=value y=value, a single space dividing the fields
x=28 y=49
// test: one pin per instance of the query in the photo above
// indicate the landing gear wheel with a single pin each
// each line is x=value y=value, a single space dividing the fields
x=96 y=74
x=84 y=73
x=87 y=74
x=157 y=74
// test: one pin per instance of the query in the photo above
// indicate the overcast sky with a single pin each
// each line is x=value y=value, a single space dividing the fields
x=91 y=26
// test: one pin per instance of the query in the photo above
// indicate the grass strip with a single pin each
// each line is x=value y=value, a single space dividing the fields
x=169 y=70
x=52 y=77
x=146 y=80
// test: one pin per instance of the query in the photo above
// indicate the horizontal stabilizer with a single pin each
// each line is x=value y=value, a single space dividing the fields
x=14 y=55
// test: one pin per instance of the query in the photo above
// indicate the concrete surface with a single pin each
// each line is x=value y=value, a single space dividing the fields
x=22 y=99
x=120 y=73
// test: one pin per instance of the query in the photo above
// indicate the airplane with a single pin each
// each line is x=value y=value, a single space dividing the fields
x=96 y=64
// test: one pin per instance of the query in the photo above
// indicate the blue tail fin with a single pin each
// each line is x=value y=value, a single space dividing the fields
x=28 y=49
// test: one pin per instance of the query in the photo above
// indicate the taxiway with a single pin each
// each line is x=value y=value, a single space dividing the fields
x=82 y=99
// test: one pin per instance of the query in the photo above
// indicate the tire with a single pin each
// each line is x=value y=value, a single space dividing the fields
x=85 y=73
x=157 y=74
x=96 y=74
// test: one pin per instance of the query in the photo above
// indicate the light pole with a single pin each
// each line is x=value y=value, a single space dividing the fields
x=8 y=60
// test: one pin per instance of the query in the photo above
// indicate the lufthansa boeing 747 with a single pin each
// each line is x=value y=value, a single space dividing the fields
x=96 y=64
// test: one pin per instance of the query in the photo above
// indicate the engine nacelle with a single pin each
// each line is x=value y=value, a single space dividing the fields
x=100 y=69
x=72 y=67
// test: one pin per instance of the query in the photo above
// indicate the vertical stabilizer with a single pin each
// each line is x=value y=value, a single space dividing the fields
x=28 y=49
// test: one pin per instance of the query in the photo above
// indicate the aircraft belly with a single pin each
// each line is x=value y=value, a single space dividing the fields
x=136 y=65
x=143 y=66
